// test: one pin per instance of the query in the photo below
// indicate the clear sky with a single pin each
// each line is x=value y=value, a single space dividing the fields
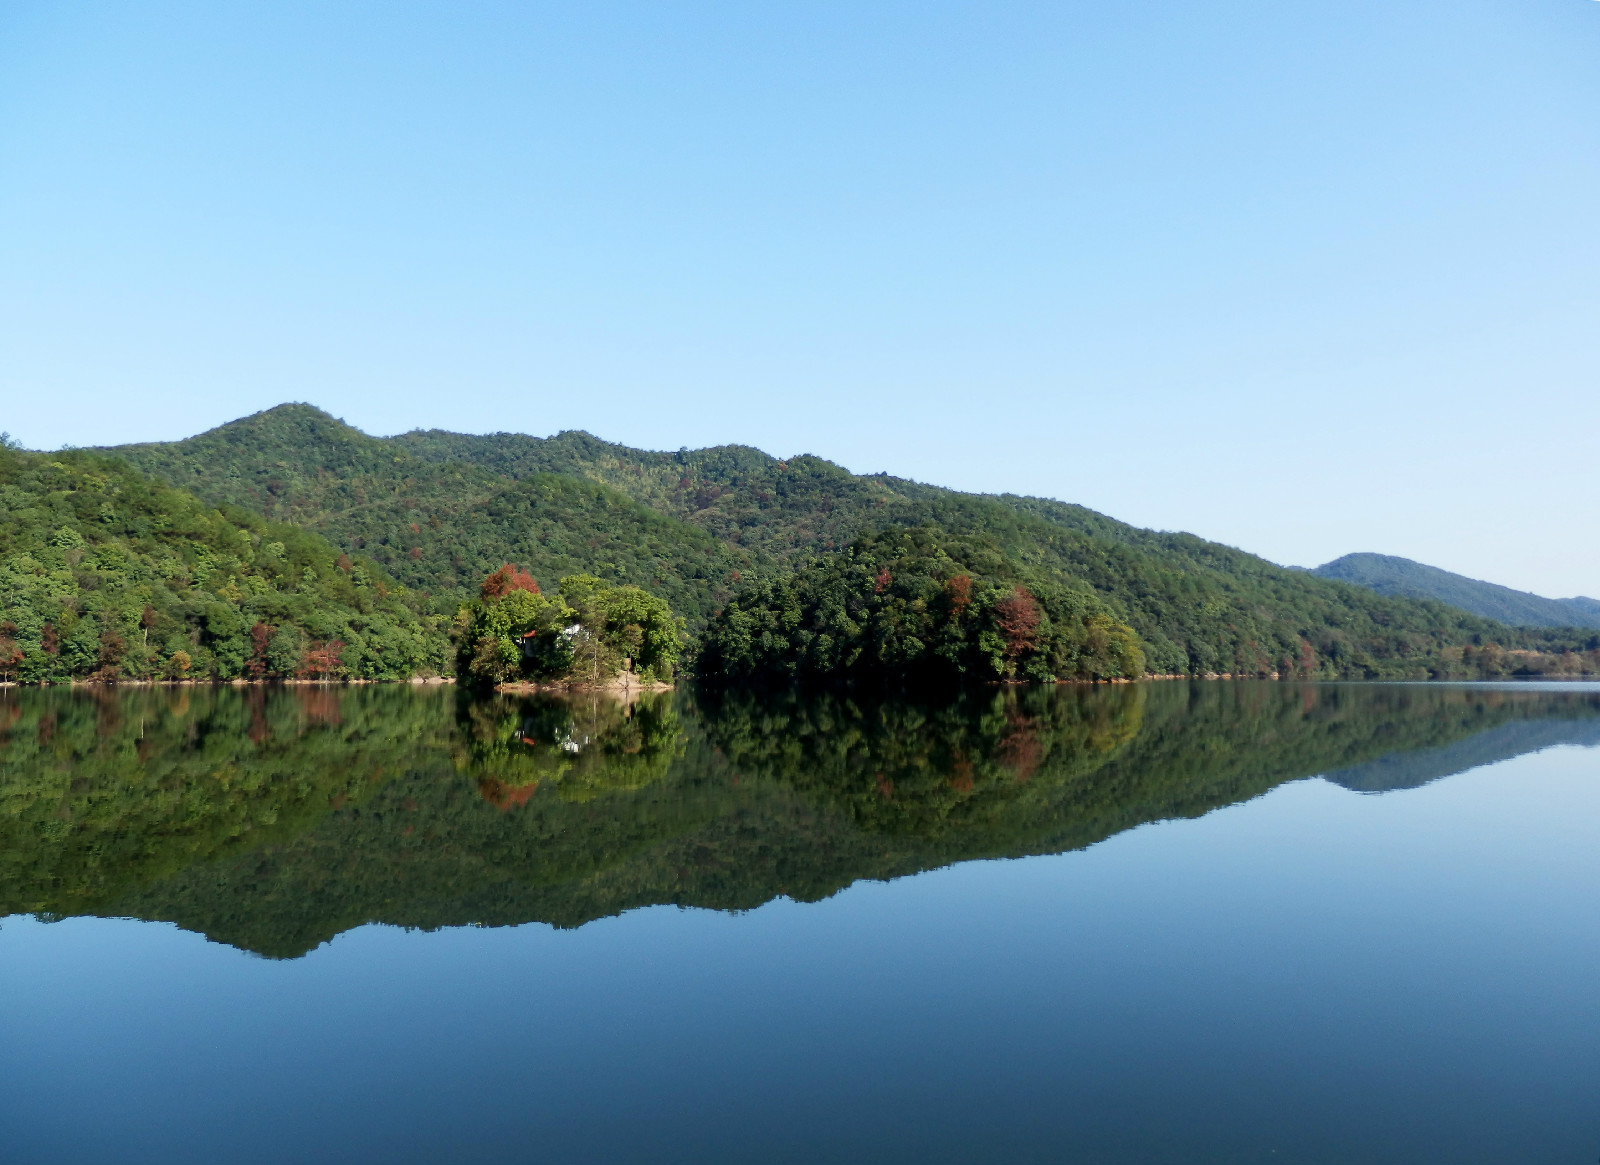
x=1306 y=278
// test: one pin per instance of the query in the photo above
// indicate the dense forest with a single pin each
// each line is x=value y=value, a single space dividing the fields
x=107 y=574
x=274 y=818
x=440 y=528
x=916 y=605
x=702 y=528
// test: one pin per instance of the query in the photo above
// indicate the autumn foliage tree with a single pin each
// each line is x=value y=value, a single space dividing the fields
x=1017 y=619
x=260 y=638
x=322 y=661
x=958 y=593
x=507 y=579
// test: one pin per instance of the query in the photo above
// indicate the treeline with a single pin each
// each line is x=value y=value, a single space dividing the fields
x=106 y=574
x=1490 y=661
x=923 y=605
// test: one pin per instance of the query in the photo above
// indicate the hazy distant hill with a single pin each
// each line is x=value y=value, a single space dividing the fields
x=1400 y=577
x=439 y=510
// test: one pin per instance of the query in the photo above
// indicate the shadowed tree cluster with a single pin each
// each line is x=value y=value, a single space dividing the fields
x=918 y=605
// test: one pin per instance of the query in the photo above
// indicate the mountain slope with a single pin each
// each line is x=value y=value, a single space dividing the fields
x=441 y=526
x=106 y=573
x=439 y=509
x=1199 y=606
x=1401 y=577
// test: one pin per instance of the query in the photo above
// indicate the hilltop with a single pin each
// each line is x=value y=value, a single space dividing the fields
x=438 y=510
x=1401 y=577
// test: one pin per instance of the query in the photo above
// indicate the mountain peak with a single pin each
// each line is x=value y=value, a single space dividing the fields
x=306 y=418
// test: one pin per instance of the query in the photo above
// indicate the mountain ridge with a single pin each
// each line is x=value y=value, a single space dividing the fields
x=1390 y=575
x=438 y=510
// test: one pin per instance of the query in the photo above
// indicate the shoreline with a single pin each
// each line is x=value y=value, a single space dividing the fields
x=623 y=684
x=416 y=681
x=529 y=687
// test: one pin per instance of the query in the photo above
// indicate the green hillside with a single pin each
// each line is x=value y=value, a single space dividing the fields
x=106 y=573
x=440 y=509
x=1388 y=575
x=441 y=526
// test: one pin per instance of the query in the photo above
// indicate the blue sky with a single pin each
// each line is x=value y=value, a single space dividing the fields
x=1304 y=278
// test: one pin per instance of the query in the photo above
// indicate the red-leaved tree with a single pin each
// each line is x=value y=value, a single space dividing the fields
x=958 y=589
x=507 y=579
x=1018 y=619
x=260 y=636
x=322 y=660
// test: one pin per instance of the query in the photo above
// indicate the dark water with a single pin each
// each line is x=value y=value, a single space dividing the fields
x=387 y=925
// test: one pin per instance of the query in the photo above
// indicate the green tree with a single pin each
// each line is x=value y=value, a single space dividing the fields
x=588 y=633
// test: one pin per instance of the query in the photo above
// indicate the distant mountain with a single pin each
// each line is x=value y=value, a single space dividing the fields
x=1402 y=578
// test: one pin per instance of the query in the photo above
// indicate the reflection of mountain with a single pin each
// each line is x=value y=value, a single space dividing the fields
x=104 y=790
x=274 y=819
x=1407 y=770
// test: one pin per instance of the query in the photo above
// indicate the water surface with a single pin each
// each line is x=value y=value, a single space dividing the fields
x=1250 y=922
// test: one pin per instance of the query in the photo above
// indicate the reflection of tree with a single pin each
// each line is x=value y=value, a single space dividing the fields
x=580 y=745
x=105 y=789
x=907 y=766
x=275 y=818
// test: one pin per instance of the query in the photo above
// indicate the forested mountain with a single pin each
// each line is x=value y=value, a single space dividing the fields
x=106 y=573
x=442 y=526
x=439 y=510
x=1388 y=575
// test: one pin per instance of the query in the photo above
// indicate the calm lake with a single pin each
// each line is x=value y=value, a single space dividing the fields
x=1168 y=922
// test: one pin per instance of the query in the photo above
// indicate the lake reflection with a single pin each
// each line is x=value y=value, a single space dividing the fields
x=1265 y=938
